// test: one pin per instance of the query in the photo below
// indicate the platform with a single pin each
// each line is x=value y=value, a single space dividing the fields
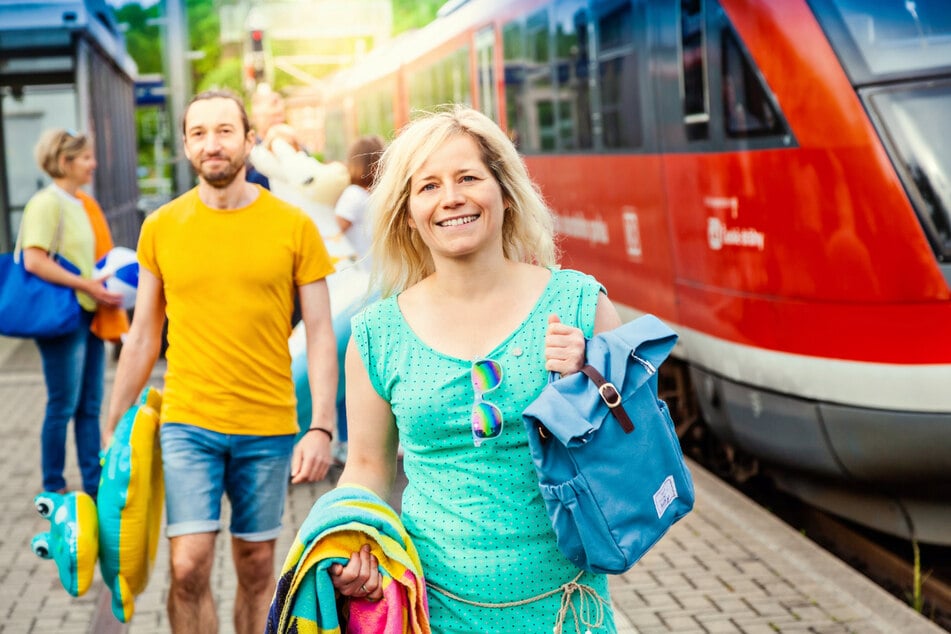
x=728 y=567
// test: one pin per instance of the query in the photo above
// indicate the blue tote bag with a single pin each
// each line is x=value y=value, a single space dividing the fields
x=609 y=463
x=31 y=307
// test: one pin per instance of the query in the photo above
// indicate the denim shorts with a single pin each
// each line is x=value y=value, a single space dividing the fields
x=201 y=465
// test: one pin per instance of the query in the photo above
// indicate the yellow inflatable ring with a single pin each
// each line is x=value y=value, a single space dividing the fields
x=131 y=500
x=73 y=539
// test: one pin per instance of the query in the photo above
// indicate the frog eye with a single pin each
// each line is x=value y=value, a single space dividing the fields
x=44 y=506
x=41 y=547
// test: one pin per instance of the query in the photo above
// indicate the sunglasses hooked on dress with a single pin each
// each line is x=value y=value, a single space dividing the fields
x=486 y=416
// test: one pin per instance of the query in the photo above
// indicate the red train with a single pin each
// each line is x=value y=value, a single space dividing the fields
x=770 y=177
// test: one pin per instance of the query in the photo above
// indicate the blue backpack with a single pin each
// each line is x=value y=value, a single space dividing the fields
x=608 y=459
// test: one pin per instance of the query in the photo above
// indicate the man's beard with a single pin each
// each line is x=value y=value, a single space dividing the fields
x=222 y=177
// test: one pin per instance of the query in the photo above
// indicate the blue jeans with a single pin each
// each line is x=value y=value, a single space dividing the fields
x=201 y=465
x=73 y=366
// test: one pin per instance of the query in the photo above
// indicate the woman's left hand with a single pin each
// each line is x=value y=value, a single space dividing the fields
x=564 y=347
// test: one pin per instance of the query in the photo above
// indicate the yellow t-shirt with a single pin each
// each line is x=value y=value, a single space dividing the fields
x=230 y=278
x=38 y=229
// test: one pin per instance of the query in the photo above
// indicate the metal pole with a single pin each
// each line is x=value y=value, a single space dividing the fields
x=179 y=88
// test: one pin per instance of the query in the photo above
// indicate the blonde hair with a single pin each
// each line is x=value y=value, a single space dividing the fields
x=400 y=257
x=57 y=144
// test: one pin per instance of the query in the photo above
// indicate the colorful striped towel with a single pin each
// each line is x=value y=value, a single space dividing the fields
x=340 y=523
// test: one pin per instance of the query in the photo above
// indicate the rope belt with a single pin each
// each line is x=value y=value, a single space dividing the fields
x=590 y=612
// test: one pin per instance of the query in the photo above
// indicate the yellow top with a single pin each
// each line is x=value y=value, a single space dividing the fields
x=38 y=229
x=230 y=277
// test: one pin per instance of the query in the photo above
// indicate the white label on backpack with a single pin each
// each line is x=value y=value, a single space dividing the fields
x=665 y=495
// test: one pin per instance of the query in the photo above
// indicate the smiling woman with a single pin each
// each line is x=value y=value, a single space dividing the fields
x=455 y=203
x=475 y=312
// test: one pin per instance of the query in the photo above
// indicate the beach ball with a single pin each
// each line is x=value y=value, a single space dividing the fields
x=122 y=268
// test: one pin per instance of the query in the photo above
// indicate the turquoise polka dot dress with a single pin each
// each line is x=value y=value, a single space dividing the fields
x=475 y=513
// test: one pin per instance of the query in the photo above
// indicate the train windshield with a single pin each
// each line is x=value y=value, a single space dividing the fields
x=912 y=113
x=888 y=39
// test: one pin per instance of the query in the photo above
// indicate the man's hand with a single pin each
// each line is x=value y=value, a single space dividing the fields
x=311 y=458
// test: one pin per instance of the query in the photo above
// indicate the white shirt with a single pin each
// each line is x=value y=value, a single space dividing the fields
x=353 y=205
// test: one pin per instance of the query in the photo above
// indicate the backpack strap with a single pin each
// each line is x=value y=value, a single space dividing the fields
x=611 y=397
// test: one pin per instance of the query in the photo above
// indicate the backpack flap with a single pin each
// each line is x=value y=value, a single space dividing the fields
x=563 y=410
x=648 y=338
x=570 y=410
x=629 y=357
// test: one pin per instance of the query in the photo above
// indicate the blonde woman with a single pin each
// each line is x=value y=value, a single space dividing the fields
x=74 y=363
x=474 y=314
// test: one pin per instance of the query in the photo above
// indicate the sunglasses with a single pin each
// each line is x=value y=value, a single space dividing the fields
x=486 y=416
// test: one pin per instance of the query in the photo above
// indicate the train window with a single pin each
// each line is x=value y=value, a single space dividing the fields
x=375 y=111
x=515 y=62
x=444 y=81
x=747 y=109
x=485 y=60
x=540 y=135
x=693 y=73
x=529 y=84
x=911 y=116
x=884 y=39
x=619 y=73
x=573 y=106
x=335 y=134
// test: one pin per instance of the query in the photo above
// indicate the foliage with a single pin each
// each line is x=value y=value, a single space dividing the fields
x=413 y=14
x=204 y=30
x=144 y=41
x=145 y=44
x=226 y=75
x=140 y=37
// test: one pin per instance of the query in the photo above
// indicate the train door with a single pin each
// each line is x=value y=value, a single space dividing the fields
x=724 y=139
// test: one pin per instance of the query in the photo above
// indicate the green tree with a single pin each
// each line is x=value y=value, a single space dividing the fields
x=226 y=75
x=143 y=41
x=413 y=14
x=204 y=33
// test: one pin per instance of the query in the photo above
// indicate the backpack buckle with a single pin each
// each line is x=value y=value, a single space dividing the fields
x=609 y=394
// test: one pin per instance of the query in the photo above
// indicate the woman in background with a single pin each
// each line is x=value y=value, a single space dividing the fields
x=352 y=208
x=74 y=363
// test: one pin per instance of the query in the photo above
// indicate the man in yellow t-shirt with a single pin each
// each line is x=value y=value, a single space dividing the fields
x=223 y=263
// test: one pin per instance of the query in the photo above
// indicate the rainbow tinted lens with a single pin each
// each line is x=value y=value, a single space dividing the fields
x=486 y=422
x=486 y=417
x=486 y=376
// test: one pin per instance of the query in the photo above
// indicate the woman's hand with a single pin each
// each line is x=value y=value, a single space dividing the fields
x=564 y=347
x=97 y=289
x=360 y=578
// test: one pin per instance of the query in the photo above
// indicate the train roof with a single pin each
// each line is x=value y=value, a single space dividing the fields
x=453 y=19
x=36 y=25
